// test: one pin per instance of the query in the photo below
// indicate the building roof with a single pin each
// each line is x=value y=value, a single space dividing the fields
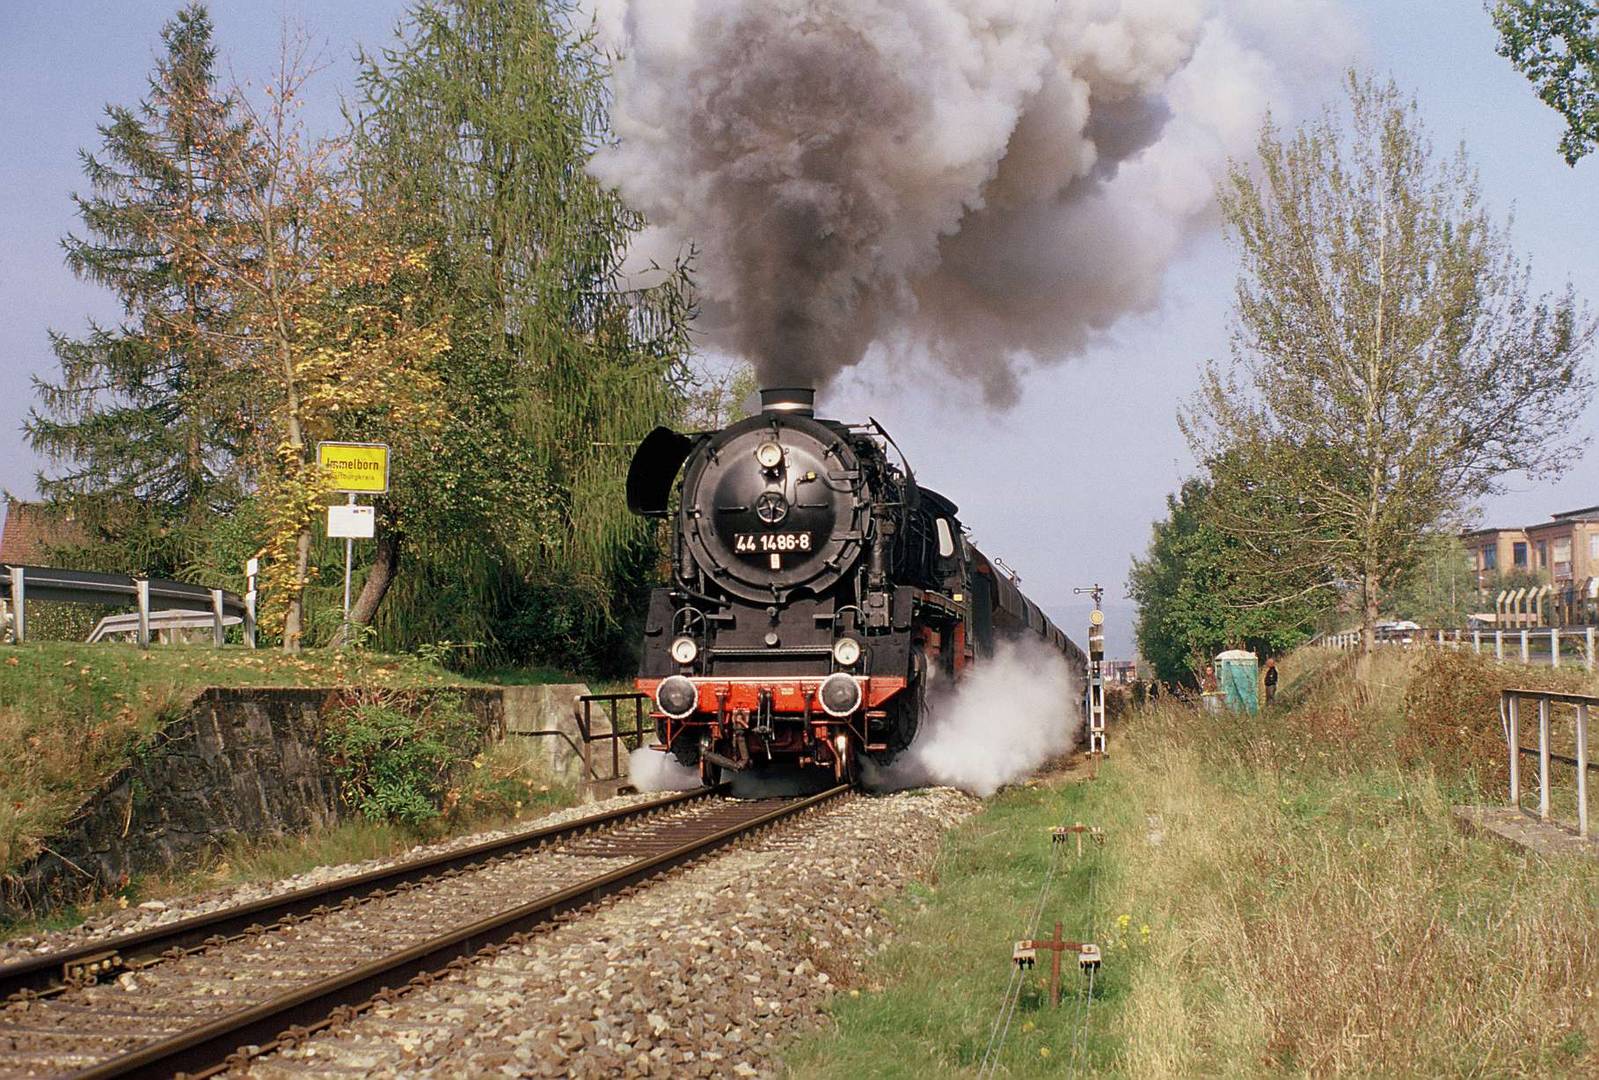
x=30 y=529
x=1586 y=513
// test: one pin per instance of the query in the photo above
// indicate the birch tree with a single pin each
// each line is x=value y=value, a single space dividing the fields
x=1391 y=363
x=315 y=315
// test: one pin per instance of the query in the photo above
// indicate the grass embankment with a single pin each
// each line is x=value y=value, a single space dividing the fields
x=71 y=714
x=1281 y=895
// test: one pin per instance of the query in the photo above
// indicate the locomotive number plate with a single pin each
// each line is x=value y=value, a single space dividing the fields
x=771 y=543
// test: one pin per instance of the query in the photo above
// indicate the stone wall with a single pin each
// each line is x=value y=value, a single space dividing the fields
x=237 y=765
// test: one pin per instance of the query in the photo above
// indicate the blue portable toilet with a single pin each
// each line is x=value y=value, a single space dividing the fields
x=1237 y=673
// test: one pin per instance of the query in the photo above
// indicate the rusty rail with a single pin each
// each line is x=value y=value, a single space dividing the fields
x=108 y=956
x=210 y=1048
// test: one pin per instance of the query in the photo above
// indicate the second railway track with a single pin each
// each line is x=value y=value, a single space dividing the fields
x=188 y=995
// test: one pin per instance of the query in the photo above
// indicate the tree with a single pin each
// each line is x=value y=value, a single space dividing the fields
x=1440 y=589
x=315 y=315
x=1390 y=364
x=483 y=122
x=147 y=431
x=1195 y=595
x=1555 y=44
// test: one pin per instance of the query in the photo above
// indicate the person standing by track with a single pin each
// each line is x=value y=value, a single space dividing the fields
x=1271 y=680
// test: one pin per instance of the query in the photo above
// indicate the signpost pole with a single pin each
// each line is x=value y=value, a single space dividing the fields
x=349 y=553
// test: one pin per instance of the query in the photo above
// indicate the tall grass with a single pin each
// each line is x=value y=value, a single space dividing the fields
x=1311 y=907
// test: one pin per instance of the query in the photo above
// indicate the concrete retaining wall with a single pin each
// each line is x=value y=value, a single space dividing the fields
x=238 y=764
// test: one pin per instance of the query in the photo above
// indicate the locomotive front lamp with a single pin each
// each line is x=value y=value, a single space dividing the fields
x=684 y=650
x=769 y=454
x=677 y=696
x=840 y=695
x=846 y=651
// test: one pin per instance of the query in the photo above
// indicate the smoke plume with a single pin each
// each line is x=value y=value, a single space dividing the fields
x=980 y=183
x=649 y=769
x=999 y=724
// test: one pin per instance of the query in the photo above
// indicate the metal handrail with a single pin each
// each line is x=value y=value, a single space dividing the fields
x=615 y=736
x=19 y=584
x=1510 y=719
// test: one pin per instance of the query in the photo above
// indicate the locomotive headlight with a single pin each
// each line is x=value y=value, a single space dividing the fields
x=846 y=651
x=769 y=454
x=684 y=650
x=840 y=695
x=677 y=696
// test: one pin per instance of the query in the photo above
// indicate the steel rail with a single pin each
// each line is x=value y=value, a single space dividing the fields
x=211 y=1048
x=52 y=972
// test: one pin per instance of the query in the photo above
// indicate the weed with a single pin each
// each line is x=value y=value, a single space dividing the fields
x=393 y=752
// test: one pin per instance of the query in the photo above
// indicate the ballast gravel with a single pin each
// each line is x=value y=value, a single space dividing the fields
x=706 y=973
x=158 y=912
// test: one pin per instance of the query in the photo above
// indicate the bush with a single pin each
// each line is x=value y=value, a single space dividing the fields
x=1452 y=713
x=394 y=752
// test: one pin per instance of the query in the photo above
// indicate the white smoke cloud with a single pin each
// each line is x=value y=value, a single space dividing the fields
x=1010 y=715
x=985 y=184
x=649 y=769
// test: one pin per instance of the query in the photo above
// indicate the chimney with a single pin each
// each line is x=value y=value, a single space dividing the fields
x=795 y=400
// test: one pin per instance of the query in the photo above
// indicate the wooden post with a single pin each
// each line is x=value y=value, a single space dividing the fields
x=1056 y=945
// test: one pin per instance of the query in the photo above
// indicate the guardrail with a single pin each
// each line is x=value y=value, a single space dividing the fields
x=1540 y=644
x=1510 y=704
x=149 y=597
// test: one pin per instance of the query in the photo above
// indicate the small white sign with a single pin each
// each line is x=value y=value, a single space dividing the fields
x=352 y=522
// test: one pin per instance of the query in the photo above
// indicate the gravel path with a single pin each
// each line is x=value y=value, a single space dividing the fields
x=705 y=974
x=158 y=913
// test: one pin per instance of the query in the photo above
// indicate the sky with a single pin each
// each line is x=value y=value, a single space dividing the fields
x=1064 y=487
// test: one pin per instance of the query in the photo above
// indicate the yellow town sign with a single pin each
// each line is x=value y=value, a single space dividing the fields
x=361 y=468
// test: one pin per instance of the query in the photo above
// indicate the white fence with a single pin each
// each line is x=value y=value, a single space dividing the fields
x=1548 y=646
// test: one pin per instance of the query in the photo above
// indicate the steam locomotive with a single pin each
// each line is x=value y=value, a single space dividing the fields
x=817 y=591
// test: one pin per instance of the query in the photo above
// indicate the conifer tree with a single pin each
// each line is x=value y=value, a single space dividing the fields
x=146 y=429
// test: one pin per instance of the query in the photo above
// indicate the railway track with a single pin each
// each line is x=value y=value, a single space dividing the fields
x=190 y=996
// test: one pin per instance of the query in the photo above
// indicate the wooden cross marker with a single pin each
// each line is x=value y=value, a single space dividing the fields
x=1087 y=958
x=1059 y=833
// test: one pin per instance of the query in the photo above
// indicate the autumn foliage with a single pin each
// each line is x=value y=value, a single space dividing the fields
x=321 y=319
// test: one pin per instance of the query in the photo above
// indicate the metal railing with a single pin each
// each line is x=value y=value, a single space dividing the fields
x=618 y=738
x=1510 y=710
x=583 y=745
x=20 y=584
x=1543 y=645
